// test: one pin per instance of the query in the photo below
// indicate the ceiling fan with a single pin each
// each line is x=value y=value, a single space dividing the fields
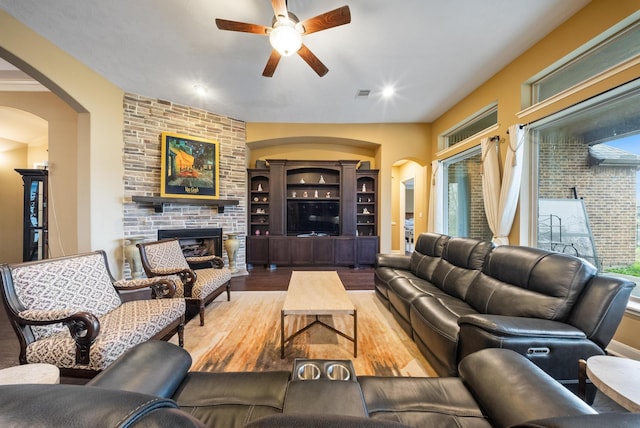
x=286 y=33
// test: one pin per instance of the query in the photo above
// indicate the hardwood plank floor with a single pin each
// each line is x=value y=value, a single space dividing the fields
x=259 y=279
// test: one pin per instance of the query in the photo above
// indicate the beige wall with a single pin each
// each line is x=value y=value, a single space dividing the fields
x=11 y=197
x=62 y=135
x=88 y=164
x=384 y=143
x=627 y=332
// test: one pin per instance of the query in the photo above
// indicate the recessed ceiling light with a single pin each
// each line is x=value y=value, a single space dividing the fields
x=200 y=90
x=388 y=91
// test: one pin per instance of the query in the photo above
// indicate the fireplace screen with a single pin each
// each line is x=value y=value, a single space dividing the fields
x=196 y=242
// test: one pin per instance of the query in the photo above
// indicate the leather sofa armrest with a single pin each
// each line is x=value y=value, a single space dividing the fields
x=75 y=405
x=521 y=326
x=512 y=390
x=154 y=367
x=397 y=261
x=620 y=420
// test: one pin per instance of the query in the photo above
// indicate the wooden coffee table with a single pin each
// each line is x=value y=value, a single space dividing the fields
x=317 y=293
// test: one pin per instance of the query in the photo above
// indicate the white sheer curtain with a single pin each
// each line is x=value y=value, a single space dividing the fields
x=434 y=221
x=491 y=181
x=501 y=194
x=510 y=188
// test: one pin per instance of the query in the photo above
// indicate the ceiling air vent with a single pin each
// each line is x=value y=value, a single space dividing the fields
x=363 y=93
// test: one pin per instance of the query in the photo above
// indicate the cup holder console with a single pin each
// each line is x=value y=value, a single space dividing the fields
x=305 y=369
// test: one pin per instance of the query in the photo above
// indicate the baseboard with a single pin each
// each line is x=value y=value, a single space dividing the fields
x=622 y=350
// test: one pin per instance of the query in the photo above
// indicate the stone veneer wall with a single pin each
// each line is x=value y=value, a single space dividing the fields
x=144 y=121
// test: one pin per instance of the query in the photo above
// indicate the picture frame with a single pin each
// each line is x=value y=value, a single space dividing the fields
x=189 y=167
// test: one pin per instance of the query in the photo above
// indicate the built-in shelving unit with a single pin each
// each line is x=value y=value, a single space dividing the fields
x=259 y=202
x=316 y=213
x=366 y=205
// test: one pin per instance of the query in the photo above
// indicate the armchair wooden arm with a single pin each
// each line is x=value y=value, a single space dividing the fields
x=84 y=327
x=161 y=286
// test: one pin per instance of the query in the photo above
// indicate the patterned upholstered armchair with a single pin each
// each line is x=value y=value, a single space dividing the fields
x=68 y=312
x=198 y=286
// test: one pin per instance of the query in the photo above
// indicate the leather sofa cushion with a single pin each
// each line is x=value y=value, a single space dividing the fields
x=435 y=322
x=423 y=402
x=427 y=254
x=232 y=398
x=462 y=260
x=529 y=282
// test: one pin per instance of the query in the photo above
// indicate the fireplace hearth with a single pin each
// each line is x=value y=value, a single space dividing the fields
x=196 y=242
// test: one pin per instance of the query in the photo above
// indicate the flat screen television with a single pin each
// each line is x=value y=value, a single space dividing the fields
x=313 y=217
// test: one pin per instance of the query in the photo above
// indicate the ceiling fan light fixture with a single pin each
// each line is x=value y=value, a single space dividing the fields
x=285 y=37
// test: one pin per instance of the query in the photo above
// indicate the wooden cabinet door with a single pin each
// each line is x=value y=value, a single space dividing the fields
x=345 y=250
x=367 y=250
x=301 y=250
x=258 y=250
x=323 y=250
x=279 y=250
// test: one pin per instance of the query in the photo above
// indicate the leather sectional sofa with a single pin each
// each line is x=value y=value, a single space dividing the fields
x=455 y=296
x=151 y=386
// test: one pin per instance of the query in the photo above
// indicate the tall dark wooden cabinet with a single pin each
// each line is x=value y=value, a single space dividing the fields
x=303 y=213
x=35 y=217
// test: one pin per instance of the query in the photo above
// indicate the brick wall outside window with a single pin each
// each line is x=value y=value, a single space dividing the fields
x=608 y=192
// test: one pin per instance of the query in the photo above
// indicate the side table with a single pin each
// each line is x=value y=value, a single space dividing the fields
x=30 y=373
x=616 y=377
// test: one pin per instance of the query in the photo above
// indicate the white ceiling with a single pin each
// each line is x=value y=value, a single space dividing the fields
x=435 y=52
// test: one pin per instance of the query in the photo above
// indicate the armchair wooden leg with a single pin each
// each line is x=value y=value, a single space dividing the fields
x=181 y=335
x=201 y=312
x=229 y=291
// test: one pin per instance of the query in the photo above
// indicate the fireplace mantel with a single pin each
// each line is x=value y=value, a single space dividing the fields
x=158 y=202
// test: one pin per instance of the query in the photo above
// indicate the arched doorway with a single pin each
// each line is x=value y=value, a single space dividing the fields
x=409 y=204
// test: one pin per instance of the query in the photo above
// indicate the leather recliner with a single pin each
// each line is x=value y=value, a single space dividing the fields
x=148 y=387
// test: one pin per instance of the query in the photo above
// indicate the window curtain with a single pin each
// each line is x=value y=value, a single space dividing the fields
x=491 y=182
x=434 y=221
x=511 y=179
x=501 y=194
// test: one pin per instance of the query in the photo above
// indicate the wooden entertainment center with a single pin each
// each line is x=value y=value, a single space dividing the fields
x=312 y=213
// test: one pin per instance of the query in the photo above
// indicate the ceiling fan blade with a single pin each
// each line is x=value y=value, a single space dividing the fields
x=272 y=63
x=334 y=18
x=243 y=27
x=280 y=8
x=313 y=61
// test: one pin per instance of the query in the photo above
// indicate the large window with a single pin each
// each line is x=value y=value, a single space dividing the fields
x=614 y=50
x=586 y=160
x=473 y=126
x=464 y=204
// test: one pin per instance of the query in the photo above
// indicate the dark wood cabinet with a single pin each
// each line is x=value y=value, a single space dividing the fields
x=345 y=251
x=258 y=250
x=368 y=247
x=279 y=250
x=35 y=235
x=341 y=207
x=323 y=250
